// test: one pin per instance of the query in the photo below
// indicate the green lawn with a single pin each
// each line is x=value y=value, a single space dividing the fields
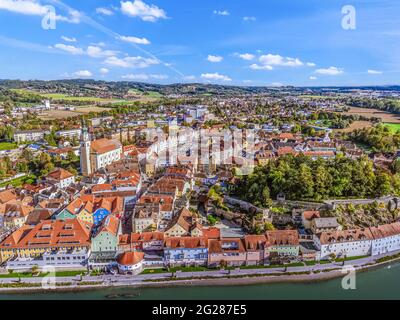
x=7 y=146
x=349 y=258
x=29 y=179
x=394 y=127
x=41 y=274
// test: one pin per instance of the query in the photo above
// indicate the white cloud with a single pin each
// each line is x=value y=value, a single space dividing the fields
x=104 y=11
x=221 y=12
x=215 y=76
x=268 y=61
x=212 y=58
x=99 y=44
x=23 y=7
x=67 y=39
x=69 y=48
x=277 y=60
x=189 y=78
x=142 y=76
x=249 y=18
x=331 y=71
x=277 y=84
x=104 y=70
x=83 y=73
x=311 y=64
x=142 y=10
x=371 y=71
x=32 y=7
x=97 y=52
x=246 y=56
x=91 y=51
x=256 y=66
x=313 y=78
x=131 y=62
x=135 y=40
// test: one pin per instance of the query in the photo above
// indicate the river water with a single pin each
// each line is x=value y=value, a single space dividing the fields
x=382 y=283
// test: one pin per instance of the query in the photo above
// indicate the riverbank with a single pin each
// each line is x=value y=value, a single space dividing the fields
x=226 y=280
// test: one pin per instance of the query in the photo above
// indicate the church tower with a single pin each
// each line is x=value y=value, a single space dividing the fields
x=86 y=169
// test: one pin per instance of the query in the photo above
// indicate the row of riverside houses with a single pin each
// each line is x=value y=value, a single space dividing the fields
x=373 y=241
x=209 y=249
x=76 y=243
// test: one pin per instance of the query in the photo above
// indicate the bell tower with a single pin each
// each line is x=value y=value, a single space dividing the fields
x=86 y=169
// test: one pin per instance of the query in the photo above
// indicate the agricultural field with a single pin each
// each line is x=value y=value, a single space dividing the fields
x=62 y=114
x=374 y=113
x=355 y=125
x=59 y=96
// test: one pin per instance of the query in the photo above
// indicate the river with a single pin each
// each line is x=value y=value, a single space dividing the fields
x=382 y=283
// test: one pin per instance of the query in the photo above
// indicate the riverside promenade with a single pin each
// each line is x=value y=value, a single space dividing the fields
x=297 y=273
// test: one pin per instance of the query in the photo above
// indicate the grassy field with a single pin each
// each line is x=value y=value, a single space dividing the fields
x=394 y=127
x=7 y=146
x=59 y=96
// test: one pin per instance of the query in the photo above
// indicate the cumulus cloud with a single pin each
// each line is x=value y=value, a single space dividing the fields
x=249 y=18
x=83 y=73
x=215 y=76
x=311 y=64
x=371 y=71
x=277 y=60
x=331 y=71
x=139 y=9
x=246 y=56
x=91 y=51
x=313 y=78
x=68 y=39
x=143 y=77
x=131 y=62
x=256 y=66
x=104 y=11
x=221 y=12
x=135 y=40
x=269 y=61
x=104 y=70
x=214 y=59
x=33 y=7
x=70 y=49
x=189 y=78
x=97 y=52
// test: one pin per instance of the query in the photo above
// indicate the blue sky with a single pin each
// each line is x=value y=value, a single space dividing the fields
x=238 y=42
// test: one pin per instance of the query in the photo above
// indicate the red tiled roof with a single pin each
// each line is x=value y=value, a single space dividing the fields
x=309 y=215
x=185 y=242
x=130 y=258
x=105 y=145
x=52 y=233
x=60 y=174
x=283 y=237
